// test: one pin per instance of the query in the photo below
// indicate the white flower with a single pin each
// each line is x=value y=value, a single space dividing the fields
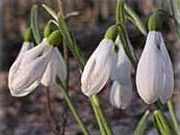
x=98 y=68
x=40 y=64
x=121 y=90
x=155 y=79
x=27 y=75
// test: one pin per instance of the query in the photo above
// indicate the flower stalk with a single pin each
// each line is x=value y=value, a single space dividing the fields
x=173 y=116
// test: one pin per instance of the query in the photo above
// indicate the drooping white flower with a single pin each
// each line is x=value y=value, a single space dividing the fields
x=121 y=90
x=154 y=78
x=27 y=74
x=97 y=70
x=41 y=64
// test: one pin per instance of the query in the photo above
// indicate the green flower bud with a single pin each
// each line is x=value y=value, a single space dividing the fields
x=28 y=37
x=112 y=32
x=156 y=20
x=55 y=38
x=49 y=28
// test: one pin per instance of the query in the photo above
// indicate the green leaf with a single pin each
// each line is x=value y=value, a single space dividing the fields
x=175 y=124
x=162 y=123
x=135 y=19
x=50 y=11
x=140 y=129
x=34 y=24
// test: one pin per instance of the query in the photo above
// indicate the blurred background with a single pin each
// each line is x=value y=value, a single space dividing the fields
x=29 y=115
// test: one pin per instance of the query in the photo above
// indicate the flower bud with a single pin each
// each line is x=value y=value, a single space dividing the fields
x=55 y=38
x=154 y=78
x=156 y=20
x=97 y=70
x=49 y=28
x=112 y=32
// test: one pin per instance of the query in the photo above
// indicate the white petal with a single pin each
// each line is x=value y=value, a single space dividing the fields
x=61 y=66
x=14 y=67
x=49 y=75
x=56 y=67
x=98 y=68
x=168 y=78
x=120 y=95
x=150 y=70
x=122 y=67
x=30 y=70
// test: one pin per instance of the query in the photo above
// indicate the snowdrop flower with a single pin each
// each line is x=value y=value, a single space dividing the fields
x=29 y=71
x=121 y=90
x=33 y=67
x=97 y=70
x=154 y=77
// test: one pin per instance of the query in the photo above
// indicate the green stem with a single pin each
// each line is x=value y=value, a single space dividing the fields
x=120 y=12
x=98 y=118
x=73 y=110
x=96 y=101
x=173 y=116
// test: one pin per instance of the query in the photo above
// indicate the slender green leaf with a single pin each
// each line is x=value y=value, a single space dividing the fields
x=162 y=123
x=34 y=24
x=142 y=125
x=173 y=116
x=135 y=19
x=51 y=12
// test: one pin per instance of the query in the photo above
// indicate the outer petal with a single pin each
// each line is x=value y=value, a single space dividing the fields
x=121 y=69
x=56 y=67
x=120 y=95
x=98 y=68
x=30 y=71
x=14 y=67
x=61 y=66
x=168 y=75
x=150 y=70
x=49 y=75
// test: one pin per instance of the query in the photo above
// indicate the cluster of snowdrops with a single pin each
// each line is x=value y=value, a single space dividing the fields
x=113 y=59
